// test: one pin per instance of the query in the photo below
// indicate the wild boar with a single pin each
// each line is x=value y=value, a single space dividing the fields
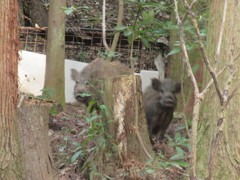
x=96 y=70
x=159 y=103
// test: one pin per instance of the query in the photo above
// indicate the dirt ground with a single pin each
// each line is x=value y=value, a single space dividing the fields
x=67 y=130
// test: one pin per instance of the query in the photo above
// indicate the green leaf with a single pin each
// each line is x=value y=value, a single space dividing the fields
x=66 y=138
x=178 y=157
x=128 y=32
x=68 y=11
x=75 y=156
x=180 y=163
x=177 y=136
x=104 y=108
x=90 y=105
x=76 y=144
x=83 y=7
x=82 y=132
x=92 y=118
x=174 y=51
x=85 y=95
x=161 y=32
x=180 y=127
x=179 y=150
x=145 y=42
x=148 y=17
x=121 y=28
x=149 y=170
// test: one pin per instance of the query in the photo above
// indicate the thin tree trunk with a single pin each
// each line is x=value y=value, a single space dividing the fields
x=33 y=116
x=54 y=75
x=10 y=164
x=119 y=23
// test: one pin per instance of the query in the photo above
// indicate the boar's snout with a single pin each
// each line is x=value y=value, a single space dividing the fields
x=168 y=101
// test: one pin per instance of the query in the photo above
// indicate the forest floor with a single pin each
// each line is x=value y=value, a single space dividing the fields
x=67 y=132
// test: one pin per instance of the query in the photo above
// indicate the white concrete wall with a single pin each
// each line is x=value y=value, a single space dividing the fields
x=146 y=77
x=31 y=72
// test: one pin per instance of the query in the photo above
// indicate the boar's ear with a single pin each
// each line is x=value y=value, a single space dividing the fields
x=178 y=87
x=74 y=74
x=156 y=84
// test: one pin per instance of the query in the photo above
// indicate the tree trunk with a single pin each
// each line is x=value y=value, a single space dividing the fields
x=129 y=131
x=226 y=161
x=33 y=118
x=10 y=164
x=54 y=75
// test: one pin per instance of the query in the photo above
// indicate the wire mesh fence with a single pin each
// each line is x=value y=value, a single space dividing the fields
x=86 y=45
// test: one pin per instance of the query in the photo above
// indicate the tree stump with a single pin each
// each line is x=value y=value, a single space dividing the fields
x=33 y=116
x=123 y=97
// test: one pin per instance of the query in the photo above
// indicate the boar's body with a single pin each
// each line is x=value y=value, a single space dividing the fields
x=85 y=81
x=159 y=103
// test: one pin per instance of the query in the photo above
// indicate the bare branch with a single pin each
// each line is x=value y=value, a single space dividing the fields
x=221 y=33
x=211 y=81
x=187 y=13
x=104 y=26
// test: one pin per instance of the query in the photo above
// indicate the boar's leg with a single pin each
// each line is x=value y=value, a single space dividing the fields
x=165 y=119
x=160 y=135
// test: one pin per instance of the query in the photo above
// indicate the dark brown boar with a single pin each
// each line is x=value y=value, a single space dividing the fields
x=96 y=70
x=159 y=103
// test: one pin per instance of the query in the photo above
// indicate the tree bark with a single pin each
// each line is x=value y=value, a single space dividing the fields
x=226 y=160
x=10 y=164
x=54 y=75
x=33 y=116
x=123 y=97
